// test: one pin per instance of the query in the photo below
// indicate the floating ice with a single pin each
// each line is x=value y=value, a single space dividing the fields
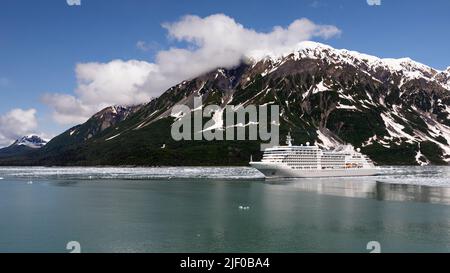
x=435 y=176
x=95 y=173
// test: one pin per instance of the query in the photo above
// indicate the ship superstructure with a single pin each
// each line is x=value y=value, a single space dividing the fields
x=312 y=161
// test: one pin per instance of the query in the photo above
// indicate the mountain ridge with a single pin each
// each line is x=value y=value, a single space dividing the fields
x=396 y=110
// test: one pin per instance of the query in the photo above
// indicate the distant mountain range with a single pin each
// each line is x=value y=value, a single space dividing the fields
x=23 y=145
x=395 y=110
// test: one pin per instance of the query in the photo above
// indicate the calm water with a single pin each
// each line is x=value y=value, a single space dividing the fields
x=198 y=210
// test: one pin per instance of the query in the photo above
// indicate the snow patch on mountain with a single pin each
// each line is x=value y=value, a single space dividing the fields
x=320 y=87
x=347 y=107
x=326 y=141
x=421 y=159
x=113 y=137
x=405 y=67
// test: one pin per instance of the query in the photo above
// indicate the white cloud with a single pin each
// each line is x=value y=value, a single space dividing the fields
x=374 y=2
x=213 y=41
x=101 y=85
x=67 y=108
x=16 y=123
x=73 y=2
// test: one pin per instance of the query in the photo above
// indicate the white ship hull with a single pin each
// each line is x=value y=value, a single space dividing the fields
x=275 y=170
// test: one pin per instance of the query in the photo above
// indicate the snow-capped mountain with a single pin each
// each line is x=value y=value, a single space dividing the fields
x=31 y=141
x=394 y=71
x=396 y=110
x=412 y=99
x=23 y=147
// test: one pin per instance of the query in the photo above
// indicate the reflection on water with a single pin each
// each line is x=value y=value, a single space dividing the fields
x=370 y=188
x=367 y=187
x=341 y=187
x=421 y=184
x=404 y=192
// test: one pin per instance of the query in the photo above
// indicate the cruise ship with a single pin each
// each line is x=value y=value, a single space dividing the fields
x=312 y=161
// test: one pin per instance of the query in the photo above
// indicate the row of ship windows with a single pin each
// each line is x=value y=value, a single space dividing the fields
x=307 y=157
x=296 y=156
x=308 y=152
x=323 y=167
x=315 y=162
x=302 y=164
x=300 y=156
x=298 y=153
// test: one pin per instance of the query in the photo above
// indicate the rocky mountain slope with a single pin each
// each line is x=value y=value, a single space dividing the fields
x=395 y=110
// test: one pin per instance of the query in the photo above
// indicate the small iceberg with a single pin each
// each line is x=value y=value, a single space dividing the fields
x=1 y=178
x=30 y=183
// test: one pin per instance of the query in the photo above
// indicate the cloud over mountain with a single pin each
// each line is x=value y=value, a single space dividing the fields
x=101 y=85
x=16 y=123
x=213 y=41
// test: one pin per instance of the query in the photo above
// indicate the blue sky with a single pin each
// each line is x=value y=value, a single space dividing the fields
x=42 y=41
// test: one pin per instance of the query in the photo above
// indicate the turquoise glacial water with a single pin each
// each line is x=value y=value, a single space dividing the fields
x=201 y=210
